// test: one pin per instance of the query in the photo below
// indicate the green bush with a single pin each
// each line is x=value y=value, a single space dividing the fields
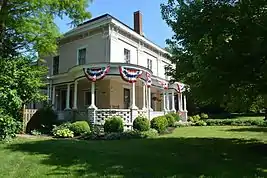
x=200 y=123
x=113 y=124
x=36 y=132
x=8 y=127
x=204 y=116
x=151 y=133
x=43 y=120
x=141 y=124
x=236 y=122
x=65 y=125
x=159 y=123
x=80 y=128
x=176 y=116
x=64 y=133
x=170 y=119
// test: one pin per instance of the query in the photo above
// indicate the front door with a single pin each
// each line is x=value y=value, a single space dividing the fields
x=126 y=98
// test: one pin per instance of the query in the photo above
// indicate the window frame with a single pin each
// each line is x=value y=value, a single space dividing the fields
x=78 y=52
x=53 y=64
x=128 y=55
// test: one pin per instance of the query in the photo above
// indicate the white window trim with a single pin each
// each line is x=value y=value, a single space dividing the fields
x=124 y=55
x=77 y=53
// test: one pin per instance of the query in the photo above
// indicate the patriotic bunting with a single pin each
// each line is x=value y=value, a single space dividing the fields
x=148 y=80
x=96 y=73
x=180 y=87
x=164 y=84
x=130 y=74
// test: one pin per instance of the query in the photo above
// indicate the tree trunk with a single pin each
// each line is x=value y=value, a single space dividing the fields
x=3 y=16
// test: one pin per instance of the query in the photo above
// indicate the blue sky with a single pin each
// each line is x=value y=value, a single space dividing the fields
x=154 y=27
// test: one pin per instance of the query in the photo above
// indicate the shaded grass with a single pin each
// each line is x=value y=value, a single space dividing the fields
x=187 y=152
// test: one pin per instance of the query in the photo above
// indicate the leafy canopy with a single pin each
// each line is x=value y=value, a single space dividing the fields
x=219 y=48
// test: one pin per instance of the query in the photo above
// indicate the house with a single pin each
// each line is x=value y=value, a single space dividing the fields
x=105 y=67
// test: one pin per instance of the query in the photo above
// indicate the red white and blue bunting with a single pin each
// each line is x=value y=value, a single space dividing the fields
x=180 y=87
x=164 y=84
x=96 y=73
x=148 y=80
x=130 y=74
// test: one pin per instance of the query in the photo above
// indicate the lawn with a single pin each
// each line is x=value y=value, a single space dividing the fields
x=187 y=152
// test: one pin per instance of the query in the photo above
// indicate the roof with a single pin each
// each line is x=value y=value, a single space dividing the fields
x=110 y=16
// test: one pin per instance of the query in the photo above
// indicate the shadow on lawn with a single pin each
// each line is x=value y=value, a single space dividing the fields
x=252 y=129
x=162 y=157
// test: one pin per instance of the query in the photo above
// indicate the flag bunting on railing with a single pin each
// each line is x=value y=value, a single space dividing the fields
x=129 y=74
x=180 y=87
x=164 y=84
x=96 y=73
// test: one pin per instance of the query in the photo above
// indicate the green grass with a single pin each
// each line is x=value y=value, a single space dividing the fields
x=187 y=152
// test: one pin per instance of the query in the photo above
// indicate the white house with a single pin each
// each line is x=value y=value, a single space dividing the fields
x=105 y=68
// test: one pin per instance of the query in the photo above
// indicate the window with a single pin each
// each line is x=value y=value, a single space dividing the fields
x=55 y=65
x=81 y=56
x=149 y=64
x=127 y=55
x=165 y=71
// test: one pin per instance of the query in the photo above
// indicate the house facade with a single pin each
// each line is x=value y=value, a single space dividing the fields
x=104 y=67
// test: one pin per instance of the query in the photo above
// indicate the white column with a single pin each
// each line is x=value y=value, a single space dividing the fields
x=180 y=98
x=149 y=99
x=185 y=103
x=164 y=101
x=54 y=97
x=133 y=94
x=75 y=94
x=144 y=96
x=93 y=96
x=168 y=101
x=68 y=97
x=173 y=104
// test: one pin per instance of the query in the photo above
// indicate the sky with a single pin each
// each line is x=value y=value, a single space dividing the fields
x=154 y=27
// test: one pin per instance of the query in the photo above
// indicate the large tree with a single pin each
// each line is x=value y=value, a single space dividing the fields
x=28 y=31
x=219 y=48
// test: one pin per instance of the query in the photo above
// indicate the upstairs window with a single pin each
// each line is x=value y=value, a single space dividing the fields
x=149 y=64
x=81 y=56
x=127 y=56
x=55 y=65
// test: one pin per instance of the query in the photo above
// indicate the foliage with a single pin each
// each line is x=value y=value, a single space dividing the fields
x=170 y=119
x=8 y=127
x=236 y=122
x=43 y=120
x=204 y=116
x=64 y=133
x=28 y=26
x=151 y=133
x=220 y=46
x=141 y=124
x=113 y=124
x=200 y=123
x=176 y=116
x=65 y=125
x=159 y=123
x=36 y=132
x=182 y=124
x=80 y=127
x=194 y=118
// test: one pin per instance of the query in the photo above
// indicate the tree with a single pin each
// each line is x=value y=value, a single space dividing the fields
x=28 y=31
x=219 y=48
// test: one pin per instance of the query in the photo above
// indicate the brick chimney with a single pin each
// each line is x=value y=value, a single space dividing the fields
x=138 y=22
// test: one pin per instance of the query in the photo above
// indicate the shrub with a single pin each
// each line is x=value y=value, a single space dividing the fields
x=80 y=127
x=236 y=122
x=141 y=124
x=204 y=116
x=64 y=133
x=151 y=133
x=36 y=132
x=113 y=124
x=201 y=123
x=65 y=125
x=176 y=116
x=43 y=120
x=170 y=120
x=159 y=123
x=182 y=124
x=196 y=118
x=8 y=127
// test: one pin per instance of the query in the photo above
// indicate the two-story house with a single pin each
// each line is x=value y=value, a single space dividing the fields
x=105 y=67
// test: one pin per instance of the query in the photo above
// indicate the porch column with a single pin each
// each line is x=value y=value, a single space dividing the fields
x=68 y=97
x=75 y=94
x=48 y=92
x=173 y=104
x=168 y=101
x=133 y=94
x=149 y=99
x=185 y=103
x=144 y=96
x=93 y=96
x=164 y=101
x=53 y=97
x=180 y=99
